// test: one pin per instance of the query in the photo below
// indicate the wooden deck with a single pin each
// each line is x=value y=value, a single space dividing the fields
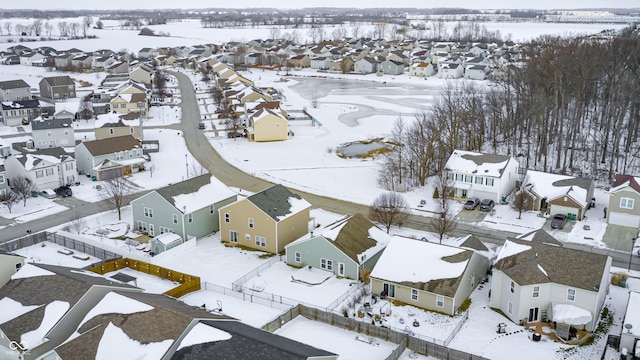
x=547 y=329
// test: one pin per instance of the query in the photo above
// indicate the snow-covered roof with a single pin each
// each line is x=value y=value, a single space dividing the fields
x=116 y=304
x=11 y=309
x=279 y=202
x=554 y=185
x=115 y=120
x=414 y=261
x=53 y=312
x=116 y=344
x=511 y=248
x=571 y=314
x=29 y=270
x=477 y=163
x=623 y=181
x=632 y=316
x=167 y=238
x=196 y=193
x=202 y=333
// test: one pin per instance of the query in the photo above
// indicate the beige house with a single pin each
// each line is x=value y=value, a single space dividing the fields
x=268 y=125
x=9 y=265
x=266 y=221
x=141 y=74
x=126 y=103
x=112 y=125
x=300 y=61
x=427 y=275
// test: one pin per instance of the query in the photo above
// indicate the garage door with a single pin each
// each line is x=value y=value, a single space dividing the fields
x=485 y=195
x=559 y=209
x=624 y=219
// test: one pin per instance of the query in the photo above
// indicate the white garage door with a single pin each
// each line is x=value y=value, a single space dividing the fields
x=559 y=209
x=624 y=219
x=485 y=195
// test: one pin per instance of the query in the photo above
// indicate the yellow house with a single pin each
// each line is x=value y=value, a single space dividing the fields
x=268 y=125
x=141 y=74
x=266 y=221
x=126 y=103
x=112 y=125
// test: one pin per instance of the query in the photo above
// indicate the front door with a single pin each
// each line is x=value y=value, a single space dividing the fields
x=464 y=193
x=533 y=314
x=340 y=269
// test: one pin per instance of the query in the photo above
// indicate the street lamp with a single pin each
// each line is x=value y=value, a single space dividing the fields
x=186 y=164
x=633 y=241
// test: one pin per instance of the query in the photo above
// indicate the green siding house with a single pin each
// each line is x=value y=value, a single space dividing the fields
x=345 y=248
x=188 y=208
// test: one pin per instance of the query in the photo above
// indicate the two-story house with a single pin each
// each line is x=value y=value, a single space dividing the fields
x=624 y=195
x=188 y=208
x=4 y=184
x=531 y=279
x=57 y=88
x=46 y=168
x=558 y=194
x=266 y=221
x=14 y=90
x=52 y=132
x=20 y=112
x=110 y=158
x=126 y=103
x=485 y=176
x=113 y=125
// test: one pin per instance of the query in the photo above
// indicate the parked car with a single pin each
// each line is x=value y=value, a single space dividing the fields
x=472 y=203
x=201 y=126
x=63 y=191
x=558 y=221
x=48 y=193
x=636 y=247
x=235 y=134
x=487 y=205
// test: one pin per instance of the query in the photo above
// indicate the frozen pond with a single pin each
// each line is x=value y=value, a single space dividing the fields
x=357 y=149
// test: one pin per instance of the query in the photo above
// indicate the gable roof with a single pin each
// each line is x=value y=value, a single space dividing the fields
x=477 y=163
x=52 y=123
x=279 y=202
x=247 y=342
x=58 y=80
x=111 y=145
x=195 y=193
x=555 y=185
x=529 y=262
x=622 y=181
x=13 y=84
x=356 y=235
x=426 y=266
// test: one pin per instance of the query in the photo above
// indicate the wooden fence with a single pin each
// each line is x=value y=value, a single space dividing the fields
x=188 y=283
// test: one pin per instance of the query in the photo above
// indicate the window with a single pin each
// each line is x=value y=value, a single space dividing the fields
x=510 y=308
x=479 y=180
x=1 y=178
x=233 y=236
x=49 y=171
x=489 y=182
x=227 y=218
x=211 y=209
x=513 y=287
x=388 y=290
x=151 y=230
x=39 y=173
x=414 y=294
x=439 y=301
x=250 y=223
x=247 y=236
x=68 y=166
x=459 y=177
x=123 y=106
x=148 y=212
x=326 y=264
x=626 y=203
x=298 y=257
x=261 y=241
x=190 y=218
x=468 y=178
x=536 y=291
x=130 y=130
x=571 y=294
x=449 y=175
x=142 y=226
x=175 y=218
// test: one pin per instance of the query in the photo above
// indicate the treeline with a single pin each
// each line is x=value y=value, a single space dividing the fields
x=572 y=107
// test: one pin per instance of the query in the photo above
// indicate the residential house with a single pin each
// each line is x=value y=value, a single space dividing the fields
x=63 y=61
x=421 y=69
x=535 y=281
x=320 y=63
x=11 y=60
x=32 y=59
x=14 y=90
x=485 y=176
x=450 y=71
x=253 y=59
x=623 y=197
x=57 y=88
x=266 y=221
x=118 y=67
x=101 y=63
x=110 y=158
x=147 y=53
x=476 y=72
x=163 y=242
x=427 y=275
x=344 y=248
x=399 y=56
x=126 y=103
x=52 y=132
x=558 y=194
x=5 y=148
x=142 y=74
x=4 y=183
x=366 y=65
x=114 y=125
x=391 y=67
x=53 y=300
x=630 y=335
x=82 y=62
x=268 y=125
x=300 y=61
x=20 y=112
x=344 y=65
x=9 y=265
x=46 y=168
x=188 y=208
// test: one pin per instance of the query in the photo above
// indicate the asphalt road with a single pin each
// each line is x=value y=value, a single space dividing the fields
x=210 y=159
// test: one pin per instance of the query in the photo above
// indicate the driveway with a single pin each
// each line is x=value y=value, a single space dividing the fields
x=471 y=216
x=619 y=237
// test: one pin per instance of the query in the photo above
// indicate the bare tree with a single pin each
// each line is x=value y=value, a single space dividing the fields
x=444 y=221
x=37 y=27
x=274 y=33
x=521 y=200
x=86 y=24
x=389 y=209
x=48 y=28
x=78 y=224
x=23 y=187
x=8 y=199
x=7 y=26
x=117 y=194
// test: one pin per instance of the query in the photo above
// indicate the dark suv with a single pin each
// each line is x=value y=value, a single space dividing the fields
x=487 y=205
x=63 y=191
x=558 y=221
